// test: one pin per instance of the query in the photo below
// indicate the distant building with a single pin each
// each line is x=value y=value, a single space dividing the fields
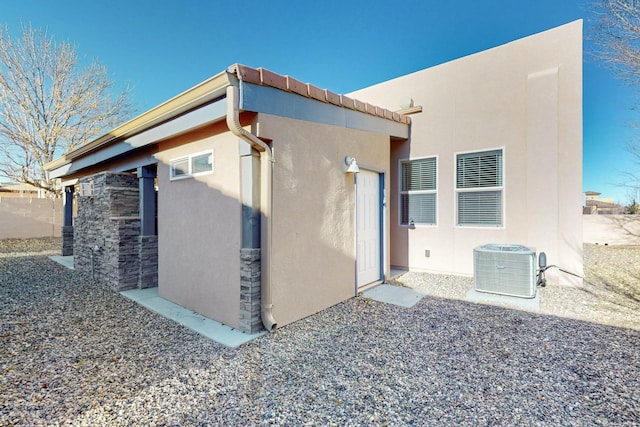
x=596 y=205
x=8 y=189
x=241 y=199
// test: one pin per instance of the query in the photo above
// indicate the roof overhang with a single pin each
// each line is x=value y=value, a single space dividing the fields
x=270 y=100
x=261 y=91
x=174 y=116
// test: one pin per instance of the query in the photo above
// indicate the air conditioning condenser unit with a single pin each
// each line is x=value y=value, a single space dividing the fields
x=505 y=269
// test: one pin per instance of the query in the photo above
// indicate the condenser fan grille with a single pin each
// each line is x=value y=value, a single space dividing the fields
x=505 y=269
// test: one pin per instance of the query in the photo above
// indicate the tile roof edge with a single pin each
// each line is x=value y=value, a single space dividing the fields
x=263 y=77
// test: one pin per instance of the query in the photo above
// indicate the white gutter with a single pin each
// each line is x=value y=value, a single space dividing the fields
x=266 y=160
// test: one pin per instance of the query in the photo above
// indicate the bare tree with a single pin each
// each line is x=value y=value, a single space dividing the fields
x=633 y=201
x=49 y=105
x=632 y=179
x=617 y=35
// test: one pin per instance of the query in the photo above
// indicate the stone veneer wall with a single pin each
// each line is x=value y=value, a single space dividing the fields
x=250 y=317
x=67 y=240
x=108 y=245
x=107 y=240
x=148 y=262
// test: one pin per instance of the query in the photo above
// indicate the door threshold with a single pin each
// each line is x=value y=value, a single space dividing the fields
x=369 y=286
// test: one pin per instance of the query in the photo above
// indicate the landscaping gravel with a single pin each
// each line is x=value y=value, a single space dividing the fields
x=76 y=353
x=610 y=294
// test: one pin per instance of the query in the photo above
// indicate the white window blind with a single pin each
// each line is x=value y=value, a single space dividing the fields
x=418 y=191
x=479 y=187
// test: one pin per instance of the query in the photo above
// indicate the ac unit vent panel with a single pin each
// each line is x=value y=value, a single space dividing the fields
x=505 y=269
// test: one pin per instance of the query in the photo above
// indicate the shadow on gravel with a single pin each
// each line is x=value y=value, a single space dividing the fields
x=613 y=272
x=626 y=295
x=75 y=353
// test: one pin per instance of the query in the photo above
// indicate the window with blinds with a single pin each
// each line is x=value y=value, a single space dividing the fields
x=418 y=191
x=479 y=188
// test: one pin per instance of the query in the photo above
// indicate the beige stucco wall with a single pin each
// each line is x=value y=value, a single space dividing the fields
x=199 y=231
x=524 y=97
x=26 y=217
x=313 y=243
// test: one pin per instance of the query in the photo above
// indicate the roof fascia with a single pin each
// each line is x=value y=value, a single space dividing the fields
x=207 y=114
x=202 y=93
x=269 y=100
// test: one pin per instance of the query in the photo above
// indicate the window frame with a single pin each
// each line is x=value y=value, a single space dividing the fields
x=190 y=161
x=497 y=189
x=402 y=192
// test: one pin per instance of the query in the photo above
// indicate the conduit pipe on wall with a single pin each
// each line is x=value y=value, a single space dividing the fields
x=266 y=161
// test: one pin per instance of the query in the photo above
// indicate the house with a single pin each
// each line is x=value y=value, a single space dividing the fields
x=257 y=200
x=596 y=205
x=512 y=113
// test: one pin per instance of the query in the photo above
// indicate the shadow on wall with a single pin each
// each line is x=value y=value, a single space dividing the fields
x=399 y=235
x=611 y=229
x=24 y=218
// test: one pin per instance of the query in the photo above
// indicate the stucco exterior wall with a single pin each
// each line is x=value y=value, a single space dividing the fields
x=524 y=97
x=199 y=229
x=313 y=236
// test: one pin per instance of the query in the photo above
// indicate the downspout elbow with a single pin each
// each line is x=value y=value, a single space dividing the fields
x=233 y=123
x=269 y=322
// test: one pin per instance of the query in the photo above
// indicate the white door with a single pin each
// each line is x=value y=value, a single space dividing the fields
x=368 y=227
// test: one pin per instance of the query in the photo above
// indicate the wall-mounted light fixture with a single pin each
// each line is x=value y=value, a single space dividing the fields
x=406 y=103
x=352 y=163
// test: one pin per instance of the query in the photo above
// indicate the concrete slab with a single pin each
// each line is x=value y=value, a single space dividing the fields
x=67 y=261
x=528 y=304
x=395 y=272
x=216 y=331
x=397 y=295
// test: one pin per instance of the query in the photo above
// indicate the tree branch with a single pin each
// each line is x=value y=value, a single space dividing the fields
x=48 y=105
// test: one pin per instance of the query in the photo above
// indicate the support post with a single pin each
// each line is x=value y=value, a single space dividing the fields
x=250 y=187
x=68 y=205
x=250 y=262
x=67 y=224
x=148 y=239
x=146 y=175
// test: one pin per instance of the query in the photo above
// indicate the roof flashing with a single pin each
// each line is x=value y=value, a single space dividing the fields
x=264 y=77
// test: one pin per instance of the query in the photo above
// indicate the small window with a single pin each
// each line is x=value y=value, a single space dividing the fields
x=418 y=196
x=202 y=163
x=479 y=188
x=180 y=168
x=193 y=165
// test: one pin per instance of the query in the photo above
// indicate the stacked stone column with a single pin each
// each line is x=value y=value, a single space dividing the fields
x=250 y=317
x=107 y=243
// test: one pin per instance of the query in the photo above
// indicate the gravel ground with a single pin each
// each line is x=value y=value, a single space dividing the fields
x=25 y=247
x=610 y=295
x=75 y=353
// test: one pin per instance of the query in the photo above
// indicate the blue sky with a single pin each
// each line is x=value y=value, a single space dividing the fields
x=162 y=48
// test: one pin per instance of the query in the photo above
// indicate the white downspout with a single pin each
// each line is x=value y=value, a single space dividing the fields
x=266 y=160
